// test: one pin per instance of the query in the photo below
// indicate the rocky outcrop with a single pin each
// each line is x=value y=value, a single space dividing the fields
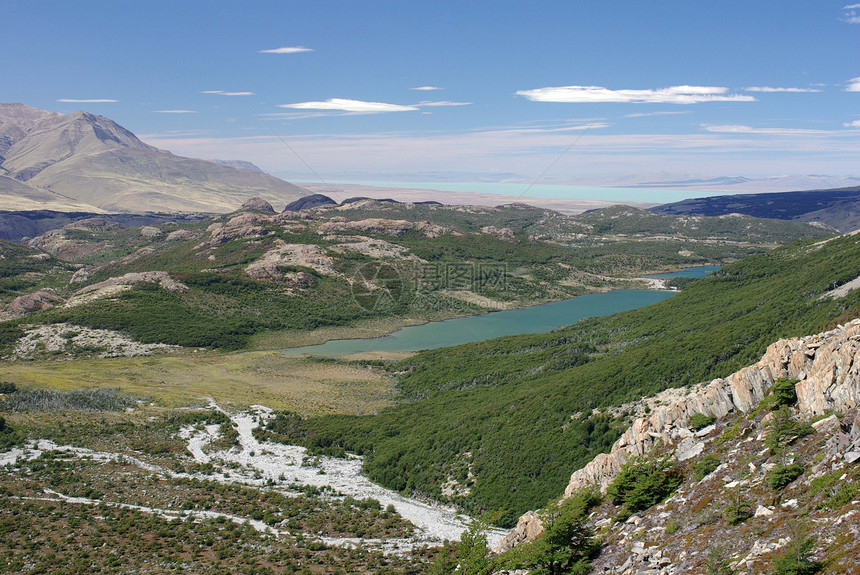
x=247 y=225
x=382 y=226
x=308 y=202
x=270 y=266
x=826 y=365
x=259 y=205
x=123 y=283
x=502 y=233
x=30 y=303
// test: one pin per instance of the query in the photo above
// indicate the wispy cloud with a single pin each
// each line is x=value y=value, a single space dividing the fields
x=850 y=14
x=287 y=50
x=854 y=124
x=771 y=89
x=853 y=85
x=355 y=106
x=741 y=129
x=426 y=88
x=670 y=95
x=442 y=103
x=175 y=111
x=86 y=101
x=648 y=114
x=223 y=93
x=530 y=149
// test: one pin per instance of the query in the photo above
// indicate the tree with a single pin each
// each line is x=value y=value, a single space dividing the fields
x=795 y=560
x=567 y=542
x=473 y=552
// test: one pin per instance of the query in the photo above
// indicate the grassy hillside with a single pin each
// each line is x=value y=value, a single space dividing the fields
x=502 y=424
x=240 y=277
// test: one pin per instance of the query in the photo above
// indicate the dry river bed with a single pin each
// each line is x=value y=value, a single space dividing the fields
x=273 y=466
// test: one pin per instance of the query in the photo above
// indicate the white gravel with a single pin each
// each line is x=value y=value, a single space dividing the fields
x=279 y=467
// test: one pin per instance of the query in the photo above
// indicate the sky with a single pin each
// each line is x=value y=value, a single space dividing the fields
x=414 y=90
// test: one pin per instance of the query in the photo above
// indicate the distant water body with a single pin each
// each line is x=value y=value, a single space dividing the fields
x=522 y=192
x=533 y=319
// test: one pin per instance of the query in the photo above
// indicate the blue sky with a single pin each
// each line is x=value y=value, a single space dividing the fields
x=576 y=89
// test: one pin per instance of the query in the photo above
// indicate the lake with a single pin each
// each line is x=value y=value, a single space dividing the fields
x=696 y=272
x=533 y=319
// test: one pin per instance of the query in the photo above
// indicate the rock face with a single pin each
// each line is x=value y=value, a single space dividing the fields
x=258 y=204
x=827 y=366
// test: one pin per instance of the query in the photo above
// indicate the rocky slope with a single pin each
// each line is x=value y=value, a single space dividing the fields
x=84 y=162
x=678 y=535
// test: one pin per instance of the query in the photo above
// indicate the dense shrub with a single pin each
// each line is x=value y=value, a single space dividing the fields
x=7 y=387
x=783 y=430
x=795 y=559
x=645 y=482
x=100 y=399
x=700 y=421
x=780 y=476
x=705 y=466
x=783 y=392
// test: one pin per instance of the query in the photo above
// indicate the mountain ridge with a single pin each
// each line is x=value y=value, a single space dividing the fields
x=93 y=164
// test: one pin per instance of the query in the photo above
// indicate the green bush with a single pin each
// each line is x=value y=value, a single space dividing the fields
x=645 y=482
x=780 y=476
x=567 y=542
x=7 y=387
x=738 y=510
x=783 y=430
x=705 y=466
x=700 y=421
x=783 y=392
x=672 y=527
x=795 y=560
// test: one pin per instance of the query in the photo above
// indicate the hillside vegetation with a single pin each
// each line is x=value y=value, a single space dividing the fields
x=498 y=426
x=220 y=281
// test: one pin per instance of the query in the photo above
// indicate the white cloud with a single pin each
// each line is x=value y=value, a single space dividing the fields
x=443 y=103
x=426 y=88
x=770 y=89
x=86 y=101
x=854 y=124
x=741 y=129
x=853 y=85
x=851 y=15
x=287 y=50
x=175 y=111
x=670 y=95
x=355 y=106
x=223 y=93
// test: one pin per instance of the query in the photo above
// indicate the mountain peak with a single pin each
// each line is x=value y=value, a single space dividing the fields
x=92 y=159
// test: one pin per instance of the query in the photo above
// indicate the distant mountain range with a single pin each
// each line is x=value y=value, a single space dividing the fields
x=84 y=162
x=838 y=208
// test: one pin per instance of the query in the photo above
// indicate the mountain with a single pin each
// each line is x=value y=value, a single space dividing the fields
x=86 y=162
x=239 y=164
x=839 y=208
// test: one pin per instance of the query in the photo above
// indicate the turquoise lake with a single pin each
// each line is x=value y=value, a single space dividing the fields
x=534 y=319
x=522 y=192
x=696 y=272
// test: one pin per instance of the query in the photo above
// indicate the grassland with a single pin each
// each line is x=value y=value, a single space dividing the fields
x=239 y=379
